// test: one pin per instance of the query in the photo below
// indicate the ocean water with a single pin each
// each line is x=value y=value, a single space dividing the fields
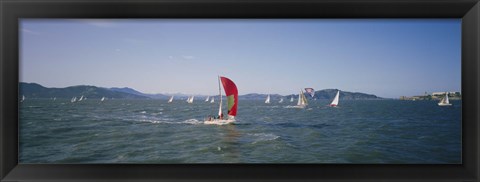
x=153 y=131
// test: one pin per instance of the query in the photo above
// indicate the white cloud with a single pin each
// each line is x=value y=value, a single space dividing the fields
x=188 y=57
x=30 y=31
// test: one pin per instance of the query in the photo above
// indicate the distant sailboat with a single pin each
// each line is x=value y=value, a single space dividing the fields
x=208 y=98
x=335 y=100
x=267 y=101
x=74 y=99
x=291 y=99
x=103 y=98
x=54 y=99
x=23 y=98
x=281 y=100
x=213 y=100
x=232 y=102
x=190 y=99
x=81 y=98
x=302 y=100
x=170 y=100
x=445 y=101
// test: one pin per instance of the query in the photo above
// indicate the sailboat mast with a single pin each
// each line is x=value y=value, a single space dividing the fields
x=219 y=93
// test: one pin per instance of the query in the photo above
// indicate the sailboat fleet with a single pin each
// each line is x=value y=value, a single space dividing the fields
x=231 y=94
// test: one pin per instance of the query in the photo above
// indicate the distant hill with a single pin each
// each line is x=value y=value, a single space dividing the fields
x=321 y=94
x=255 y=96
x=34 y=90
x=135 y=92
x=344 y=95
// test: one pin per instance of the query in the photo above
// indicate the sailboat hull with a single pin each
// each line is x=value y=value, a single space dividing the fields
x=444 y=104
x=219 y=122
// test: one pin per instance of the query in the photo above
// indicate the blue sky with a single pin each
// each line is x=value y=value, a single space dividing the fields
x=385 y=57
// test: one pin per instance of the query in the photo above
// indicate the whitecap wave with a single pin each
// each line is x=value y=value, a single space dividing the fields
x=260 y=137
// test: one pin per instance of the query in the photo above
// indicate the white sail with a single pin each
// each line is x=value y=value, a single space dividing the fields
x=445 y=101
x=221 y=100
x=23 y=98
x=103 y=98
x=335 y=100
x=74 y=99
x=54 y=99
x=208 y=98
x=291 y=99
x=213 y=100
x=281 y=100
x=190 y=99
x=170 y=100
x=81 y=98
x=267 y=101
x=302 y=100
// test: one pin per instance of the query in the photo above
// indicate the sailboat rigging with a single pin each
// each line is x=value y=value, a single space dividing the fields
x=232 y=102
x=302 y=100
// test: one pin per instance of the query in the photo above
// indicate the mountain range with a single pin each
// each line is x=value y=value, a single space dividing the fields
x=34 y=90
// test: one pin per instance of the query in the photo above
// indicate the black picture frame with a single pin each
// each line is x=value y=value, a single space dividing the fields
x=12 y=11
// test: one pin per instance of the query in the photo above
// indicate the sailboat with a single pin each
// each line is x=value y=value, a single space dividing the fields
x=213 y=100
x=23 y=98
x=232 y=102
x=81 y=98
x=302 y=100
x=291 y=99
x=190 y=99
x=335 y=100
x=54 y=99
x=74 y=99
x=445 y=101
x=103 y=98
x=170 y=100
x=208 y=98
x=281 y=100
x=267 y=101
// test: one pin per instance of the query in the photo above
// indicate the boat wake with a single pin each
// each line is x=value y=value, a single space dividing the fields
x=188 y=121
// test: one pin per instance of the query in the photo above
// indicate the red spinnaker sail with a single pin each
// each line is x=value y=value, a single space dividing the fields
x=232 y=95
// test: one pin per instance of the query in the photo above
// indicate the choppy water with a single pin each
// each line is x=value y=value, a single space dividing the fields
x=152 y=131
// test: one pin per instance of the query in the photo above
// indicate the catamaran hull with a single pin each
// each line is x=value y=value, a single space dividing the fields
x=219 y=122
